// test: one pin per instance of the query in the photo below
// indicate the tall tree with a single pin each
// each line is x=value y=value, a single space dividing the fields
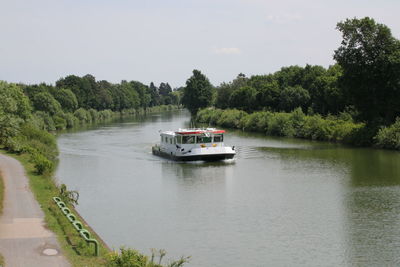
x=198 y=92
x=370 y=58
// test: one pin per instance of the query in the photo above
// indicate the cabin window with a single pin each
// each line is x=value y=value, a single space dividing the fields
x=203 y=139
x=178 y=139
x=170 y=141
x=218 y=138
x=188 y=139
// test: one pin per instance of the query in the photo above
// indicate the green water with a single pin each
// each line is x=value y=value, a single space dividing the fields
x=280 y=202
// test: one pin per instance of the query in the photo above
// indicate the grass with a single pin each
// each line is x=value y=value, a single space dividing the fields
x=74 y=247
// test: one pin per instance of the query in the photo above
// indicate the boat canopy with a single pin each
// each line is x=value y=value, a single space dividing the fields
x=199 y=131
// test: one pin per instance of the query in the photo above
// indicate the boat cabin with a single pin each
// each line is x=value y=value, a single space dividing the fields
x=209 y=137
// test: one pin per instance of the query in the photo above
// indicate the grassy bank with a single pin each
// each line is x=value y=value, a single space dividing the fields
x=37 y=150
x=78 y=252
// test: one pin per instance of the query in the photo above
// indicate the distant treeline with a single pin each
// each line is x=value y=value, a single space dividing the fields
x=363 y=87
x=29 y=112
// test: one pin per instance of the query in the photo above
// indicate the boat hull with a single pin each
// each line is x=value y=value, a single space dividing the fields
x=194 y=157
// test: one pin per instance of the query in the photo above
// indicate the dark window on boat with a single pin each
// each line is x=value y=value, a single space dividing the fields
x=188 y=139
x=218 y=138
x=170 y=141
x=203 y=139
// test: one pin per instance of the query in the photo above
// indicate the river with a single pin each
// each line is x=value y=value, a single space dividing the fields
x=280 y=202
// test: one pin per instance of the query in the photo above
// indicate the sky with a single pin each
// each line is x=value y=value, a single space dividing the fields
x=164 y=40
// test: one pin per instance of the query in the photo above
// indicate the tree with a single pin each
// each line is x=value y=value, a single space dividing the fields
x=243 y=98
x=292 y=97
x=225 y=90
x=155 y=97
x=13 y=101
x=67 y=99
x=198 y=92
x=46 y=102
x=370 y=58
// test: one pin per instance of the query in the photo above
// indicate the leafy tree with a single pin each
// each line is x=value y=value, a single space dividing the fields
x=292 y=97
x=76 y=85
x=155 y=97
x=13 y=101
x=164 y=89
x=243 y=98
x=198 y=92
x=46 y=102
x=67 y=99
x=225 y=90
x=370 y=58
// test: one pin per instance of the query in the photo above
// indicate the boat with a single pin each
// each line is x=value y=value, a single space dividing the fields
x=193 y=144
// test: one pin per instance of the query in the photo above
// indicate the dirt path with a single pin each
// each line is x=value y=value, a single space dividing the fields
x=23 y=239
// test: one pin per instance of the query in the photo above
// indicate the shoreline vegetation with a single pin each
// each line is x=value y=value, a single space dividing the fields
x=31 y=115
x=355 y=101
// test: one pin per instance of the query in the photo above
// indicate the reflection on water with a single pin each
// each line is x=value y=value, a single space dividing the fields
x=280 y=202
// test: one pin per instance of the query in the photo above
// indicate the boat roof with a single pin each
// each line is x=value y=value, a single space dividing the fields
x=194 y=131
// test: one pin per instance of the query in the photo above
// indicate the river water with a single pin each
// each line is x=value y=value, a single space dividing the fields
x=280 y=202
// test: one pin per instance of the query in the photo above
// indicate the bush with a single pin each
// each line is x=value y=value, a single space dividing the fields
x=132 y=258
x=389 y=137
x=48 y=121
x=231 y=118
x=42 y=164
x=59 y=122
x=293 y=124
x=70 y=120
x=82 y=115
x=280 y=124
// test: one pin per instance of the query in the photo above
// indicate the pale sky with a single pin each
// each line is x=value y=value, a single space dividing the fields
x=163 y=41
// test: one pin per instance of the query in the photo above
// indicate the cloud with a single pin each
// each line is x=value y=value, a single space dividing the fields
x=227 y=51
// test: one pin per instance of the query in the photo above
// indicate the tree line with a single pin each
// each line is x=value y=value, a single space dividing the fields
x=363 y=84
x=29 y=112
x=364 y=81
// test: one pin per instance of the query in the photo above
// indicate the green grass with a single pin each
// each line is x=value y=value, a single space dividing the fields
x=74 y=247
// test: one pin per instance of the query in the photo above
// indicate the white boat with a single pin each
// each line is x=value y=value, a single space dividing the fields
x=194 y=144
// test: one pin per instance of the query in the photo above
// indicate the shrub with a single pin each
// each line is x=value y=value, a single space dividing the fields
x=48 y=121
x=231 y=118
x=389 y=137
x=132 y=258
x=59 y=122
x=280 y=124
x=82 y=115
x=42 y=164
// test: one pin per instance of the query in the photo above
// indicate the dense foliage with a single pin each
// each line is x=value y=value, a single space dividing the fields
x=370 y=59
x=364 y=85
x=198 y=92
x=290 y=124
x=29 y=112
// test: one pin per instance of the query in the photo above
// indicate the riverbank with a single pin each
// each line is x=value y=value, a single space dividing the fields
x=72 y=245
x=37 y=151
x=341 y=129
x=24 y=239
